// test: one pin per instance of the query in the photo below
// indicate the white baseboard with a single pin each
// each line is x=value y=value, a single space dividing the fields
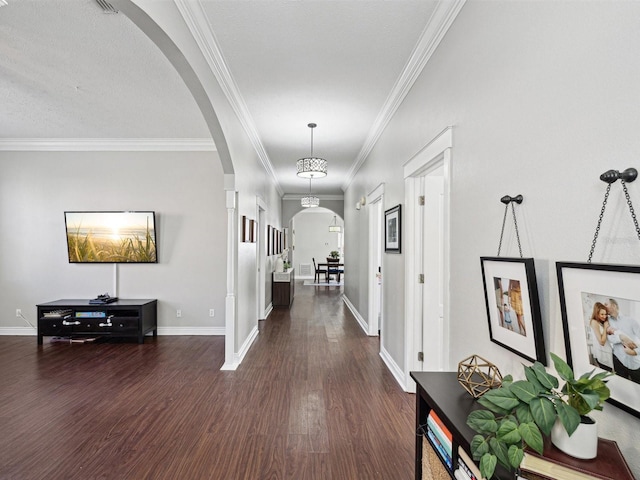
x=238 y=357
x=393 y=367
x=359 y=318
x=164 y=331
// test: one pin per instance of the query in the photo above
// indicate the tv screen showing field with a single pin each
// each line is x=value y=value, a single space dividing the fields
x=111 y=237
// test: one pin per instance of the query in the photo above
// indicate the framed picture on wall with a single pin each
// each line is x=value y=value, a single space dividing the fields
x=253 y=231
x=269 y=240
x=599 y=299
x=245 y=229
x=393 y=230
x=513 y=306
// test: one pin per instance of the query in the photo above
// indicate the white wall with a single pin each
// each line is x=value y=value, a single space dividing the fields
x=543 y=98
x=184 y=189
x=313 y=239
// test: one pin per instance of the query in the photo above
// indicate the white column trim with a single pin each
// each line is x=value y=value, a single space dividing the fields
x=231 y=360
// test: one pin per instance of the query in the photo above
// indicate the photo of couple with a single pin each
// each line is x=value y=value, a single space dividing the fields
x=612 y=329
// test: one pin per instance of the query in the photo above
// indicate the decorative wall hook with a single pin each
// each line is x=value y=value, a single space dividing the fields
x=507 y=199
x=611 y=176
x=510 y=200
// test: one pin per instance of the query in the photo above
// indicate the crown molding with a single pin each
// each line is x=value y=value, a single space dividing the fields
x=298 y=196
x=443 y=16
x=196 y=20
x=108 y=144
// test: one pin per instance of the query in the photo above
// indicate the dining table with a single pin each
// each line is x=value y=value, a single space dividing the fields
x=332 y=268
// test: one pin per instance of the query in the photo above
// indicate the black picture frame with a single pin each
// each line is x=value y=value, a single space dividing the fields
x=581 y=286
x=393 y=230
x=513 y=306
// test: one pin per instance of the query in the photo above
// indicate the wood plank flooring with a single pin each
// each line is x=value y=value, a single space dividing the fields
x=311 y=400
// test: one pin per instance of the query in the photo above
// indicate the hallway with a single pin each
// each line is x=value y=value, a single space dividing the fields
x=312 y=400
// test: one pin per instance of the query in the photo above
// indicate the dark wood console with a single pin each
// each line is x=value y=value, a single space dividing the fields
x=282 y=289
x=79 y=318
x=441 y=392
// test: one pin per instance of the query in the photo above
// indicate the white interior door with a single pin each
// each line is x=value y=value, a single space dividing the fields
x=375 y=275
x=261 y=259
x=433 y=321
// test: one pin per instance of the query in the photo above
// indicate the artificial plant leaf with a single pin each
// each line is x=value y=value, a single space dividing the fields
x=532 y=436
x=516 y=454
x=569 y=417
x=530 y=375
x=501 y=451
x=563 y=369
x=502 y=398
x=544 y=414
x=488 y=464
x=482 y=421
x=524 y=413
x=508 y=433
x=488 y=404
x=524 y=390
x=548 y=381
x=479 y=446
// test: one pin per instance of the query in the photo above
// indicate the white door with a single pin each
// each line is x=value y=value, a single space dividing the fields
x=261 y=259
x=433 y=270
x=375 y=201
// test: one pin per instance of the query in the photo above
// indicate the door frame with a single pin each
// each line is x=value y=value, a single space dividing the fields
x=376 y=222
x=261 y=260
x=436 y=154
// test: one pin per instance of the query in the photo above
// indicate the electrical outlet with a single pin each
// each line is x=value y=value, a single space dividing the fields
x=212 y=312
x=19 y=312
x=178 y=313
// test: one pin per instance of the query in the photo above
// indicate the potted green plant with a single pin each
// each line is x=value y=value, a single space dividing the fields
x=334 y=254
x=518 y=413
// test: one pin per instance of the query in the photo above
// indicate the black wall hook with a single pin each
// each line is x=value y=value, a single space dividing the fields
x=507 y=199
x=611 y=176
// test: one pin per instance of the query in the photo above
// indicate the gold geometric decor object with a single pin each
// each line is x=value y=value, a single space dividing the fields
x=477 y=375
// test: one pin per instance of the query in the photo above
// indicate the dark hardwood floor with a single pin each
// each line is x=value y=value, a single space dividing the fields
x=311 y=400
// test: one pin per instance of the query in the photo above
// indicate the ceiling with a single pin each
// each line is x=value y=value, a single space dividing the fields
x=71 y=74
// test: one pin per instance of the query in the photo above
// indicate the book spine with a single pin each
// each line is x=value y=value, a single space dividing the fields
x=441 y=436
x=436 y=444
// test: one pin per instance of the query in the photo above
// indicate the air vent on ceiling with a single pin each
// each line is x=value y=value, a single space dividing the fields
x=106 y=6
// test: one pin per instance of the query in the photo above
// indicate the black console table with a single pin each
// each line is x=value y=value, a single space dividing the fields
x=441 y=392
x=79 y=318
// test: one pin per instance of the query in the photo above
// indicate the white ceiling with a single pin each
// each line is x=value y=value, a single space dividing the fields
x=70 y=72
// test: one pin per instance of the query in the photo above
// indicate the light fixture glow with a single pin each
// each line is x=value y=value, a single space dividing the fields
x=312 y=167
x=310 y=202
x=334 y=227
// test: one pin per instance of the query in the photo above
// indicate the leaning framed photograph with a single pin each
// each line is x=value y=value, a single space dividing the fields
x=600 y=306
x=393 y=229
x=513 y=306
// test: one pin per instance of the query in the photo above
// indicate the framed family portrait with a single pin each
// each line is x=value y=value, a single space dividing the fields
x=513 y=306
x=392 y=230
x=600 y=306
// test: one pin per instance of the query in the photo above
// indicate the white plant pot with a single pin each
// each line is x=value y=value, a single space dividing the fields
x=582 y=444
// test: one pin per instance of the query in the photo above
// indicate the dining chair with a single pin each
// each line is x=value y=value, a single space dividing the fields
x=318 y=271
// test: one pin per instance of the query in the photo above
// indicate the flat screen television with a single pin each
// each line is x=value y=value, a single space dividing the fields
x=111 y=237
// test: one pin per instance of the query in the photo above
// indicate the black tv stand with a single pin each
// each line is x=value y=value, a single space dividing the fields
x=80 y=318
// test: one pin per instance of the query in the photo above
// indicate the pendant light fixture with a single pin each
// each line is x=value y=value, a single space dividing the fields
x=310 y=201
x=312 y=167
x=334 y=227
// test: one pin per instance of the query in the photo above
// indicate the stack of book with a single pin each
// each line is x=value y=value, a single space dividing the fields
x=554 y=464
x=467 y=469
x=440 y=437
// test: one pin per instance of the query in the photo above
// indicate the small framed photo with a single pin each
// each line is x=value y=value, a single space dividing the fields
x=600 y=306
x=513 y=306
x=246 y=232
x=253 y=231
x=393 y=230
x=269 y=240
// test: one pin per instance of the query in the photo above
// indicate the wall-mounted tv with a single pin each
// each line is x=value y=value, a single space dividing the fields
x=111 y=237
